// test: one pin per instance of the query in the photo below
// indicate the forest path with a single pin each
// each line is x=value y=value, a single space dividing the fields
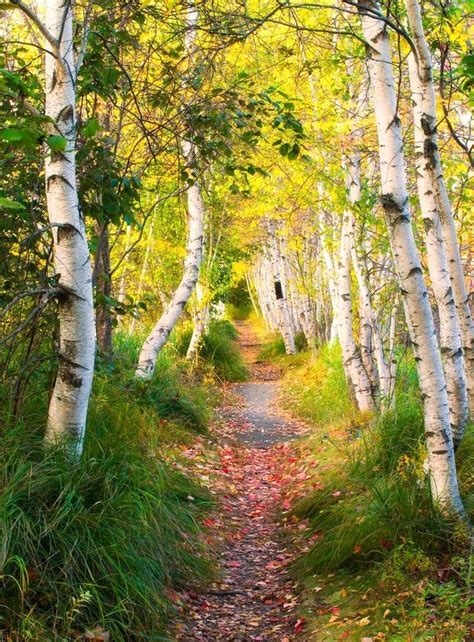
x=255 y=599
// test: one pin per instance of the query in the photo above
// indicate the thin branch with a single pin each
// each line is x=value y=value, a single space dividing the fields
x=39 y=23
x=85 y=36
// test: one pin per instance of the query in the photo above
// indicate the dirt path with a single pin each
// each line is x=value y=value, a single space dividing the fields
x=255 y=599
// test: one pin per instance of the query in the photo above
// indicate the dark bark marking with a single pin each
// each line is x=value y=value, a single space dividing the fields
x=59 y=177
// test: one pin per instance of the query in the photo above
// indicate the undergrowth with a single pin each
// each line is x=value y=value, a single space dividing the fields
x=99 y=542
x=219 y=350
x=396 y=567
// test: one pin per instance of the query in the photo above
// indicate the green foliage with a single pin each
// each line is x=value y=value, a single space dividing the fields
x=170 y=393
x=371 y=512
x=274 y=347
x=219 y=350
x=239 y=312
x=99 y=541
x=324 y=396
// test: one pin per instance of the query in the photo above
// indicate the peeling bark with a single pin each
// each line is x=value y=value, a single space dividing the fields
x=69 y=401
x=444 y=259
x=394 y=199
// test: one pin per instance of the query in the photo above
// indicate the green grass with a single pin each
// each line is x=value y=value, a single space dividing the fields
x=101 y=541
x=375 y=527
x=274 y=346
x=219 y=350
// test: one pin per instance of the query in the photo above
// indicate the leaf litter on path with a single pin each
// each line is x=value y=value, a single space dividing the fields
x=255 y=598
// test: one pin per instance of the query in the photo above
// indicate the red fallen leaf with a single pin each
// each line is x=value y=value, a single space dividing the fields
x=335 y=609
x=386 y=544
x=286 y=504
x=209 y=522
x=234 y=564
x=299 y=625
x=357 y=548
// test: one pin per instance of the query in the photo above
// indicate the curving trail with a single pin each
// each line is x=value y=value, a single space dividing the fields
x=255 y=598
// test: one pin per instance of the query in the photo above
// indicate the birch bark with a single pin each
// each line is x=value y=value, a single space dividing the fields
x=279 y=295
x=194 y=251
x=368 y=314
x=353 y=366
x=394 y=200
x=69 y=401
x=201 y=313
x=449 y=331
x=441 y=240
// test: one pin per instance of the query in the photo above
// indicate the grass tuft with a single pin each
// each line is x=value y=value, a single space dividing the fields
x=219 y=350
x=100 y=542
x=370 y=513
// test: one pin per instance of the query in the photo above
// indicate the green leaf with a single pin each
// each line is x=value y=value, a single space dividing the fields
x=294 y=152
x=10 y=204
x=12 y=134
x=57 y=143
x=91 y=128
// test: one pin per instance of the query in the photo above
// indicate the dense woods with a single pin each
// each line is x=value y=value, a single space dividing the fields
x=170 y=169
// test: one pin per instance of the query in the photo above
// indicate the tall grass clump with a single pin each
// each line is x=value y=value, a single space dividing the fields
x=100 y=541
x=95 y=542
x=375 y=495
x=170 y=392
x=219 y=350
x=318 y=389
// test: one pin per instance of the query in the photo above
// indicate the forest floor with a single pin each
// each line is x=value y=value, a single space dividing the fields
x=254 y=597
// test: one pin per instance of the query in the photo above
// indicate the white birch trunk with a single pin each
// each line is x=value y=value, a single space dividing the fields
x=69 y=401
x=160 y=333
x=201 y=313
x=392 y=334
x=353 y=366
x=279 y=295
x=333 y=294
x=449 y=331
x=448 y=284
x=394 y=200
x=194 y=252
x=369 y=316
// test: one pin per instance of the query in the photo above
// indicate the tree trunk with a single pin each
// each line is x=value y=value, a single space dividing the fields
x=443 y=250
x=200 y=323
x=353 y=366
x=194 y=251
x=449 y=331
x=101 y=279
x=368 y=317
x=279 y=294
x=69 y=401
x=394 y=200
x=160 y=333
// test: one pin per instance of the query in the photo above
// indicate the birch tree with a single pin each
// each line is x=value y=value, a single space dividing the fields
x=444 y=259
x=70 y=396
x=353 y=365
x=194 y=248
x=394 y=200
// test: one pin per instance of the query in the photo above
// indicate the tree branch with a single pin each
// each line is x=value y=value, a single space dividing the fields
x=35 y=20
